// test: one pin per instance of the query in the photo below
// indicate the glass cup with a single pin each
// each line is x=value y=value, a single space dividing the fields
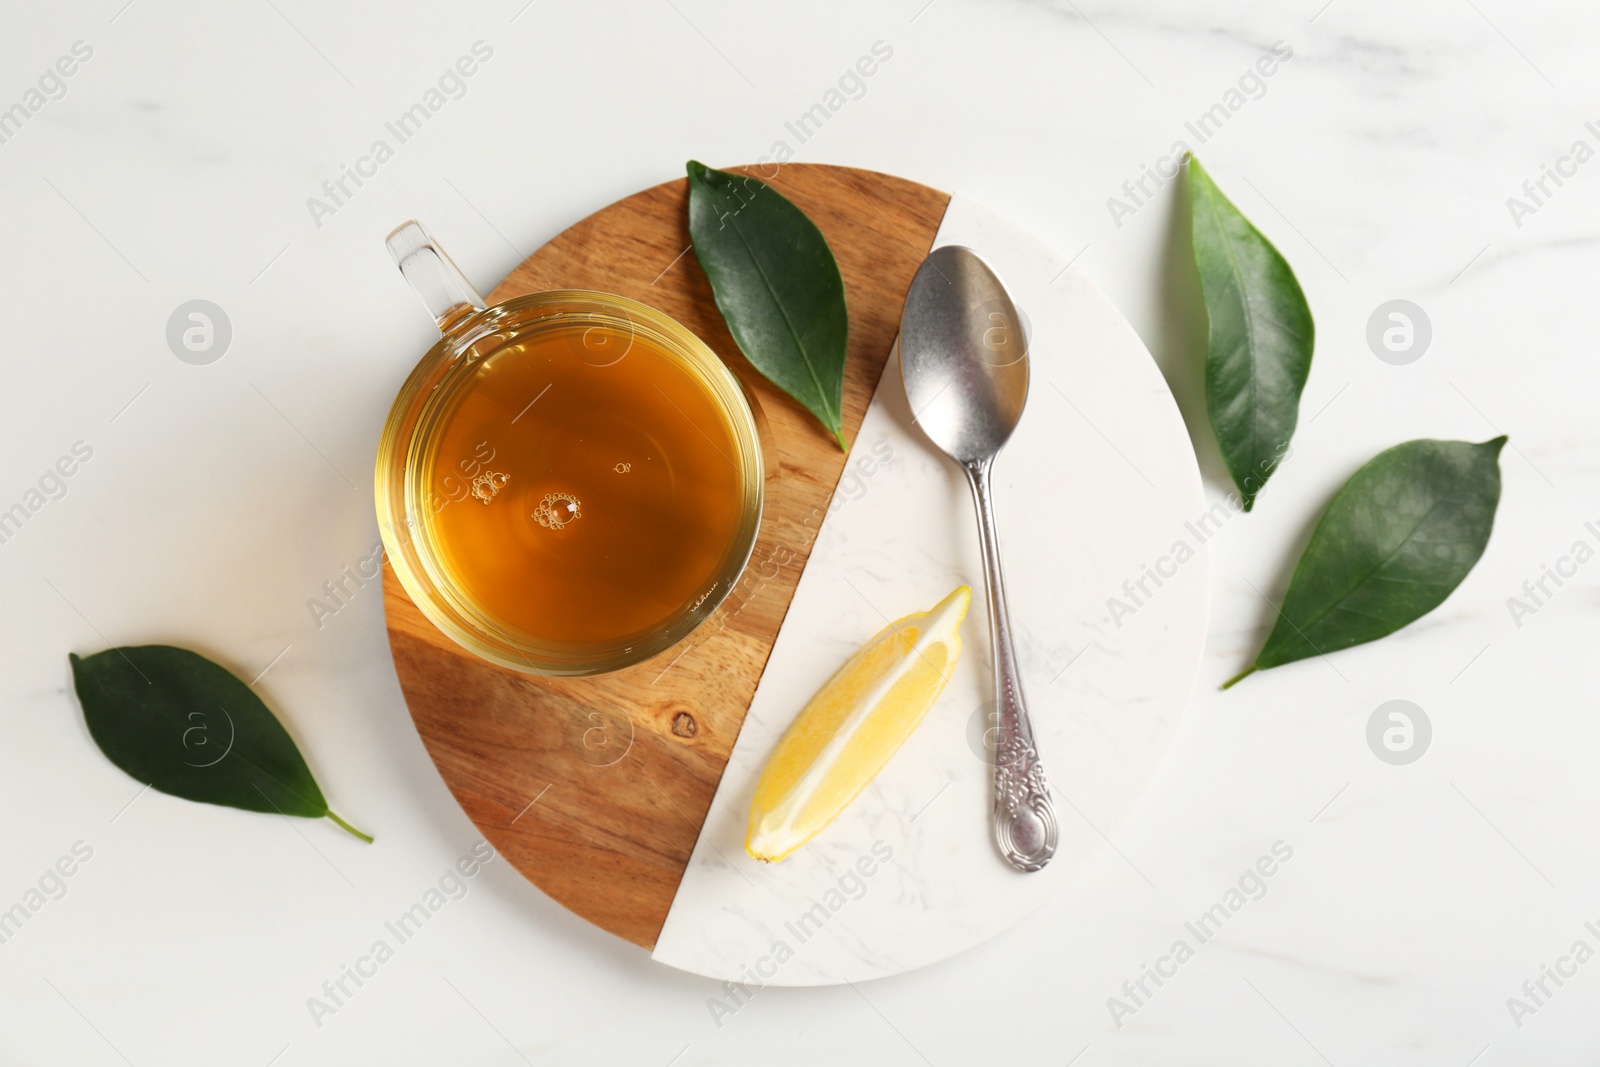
x=490 y=601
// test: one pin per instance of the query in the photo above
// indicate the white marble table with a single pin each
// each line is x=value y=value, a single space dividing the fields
x=1406 y=903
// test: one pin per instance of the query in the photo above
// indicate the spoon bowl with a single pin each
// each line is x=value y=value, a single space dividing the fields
x=964 y=355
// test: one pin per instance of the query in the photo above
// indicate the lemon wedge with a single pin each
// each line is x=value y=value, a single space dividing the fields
x=846 y=733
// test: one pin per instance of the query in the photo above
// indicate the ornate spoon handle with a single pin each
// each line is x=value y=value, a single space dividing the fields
x=1024 y=815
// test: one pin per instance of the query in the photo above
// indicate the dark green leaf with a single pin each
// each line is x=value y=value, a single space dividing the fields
x=174 y=719
x=1402 y=533
x=776 y=284
x=1258 y=353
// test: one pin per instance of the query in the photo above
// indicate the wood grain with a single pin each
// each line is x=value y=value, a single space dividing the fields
x=595 y=788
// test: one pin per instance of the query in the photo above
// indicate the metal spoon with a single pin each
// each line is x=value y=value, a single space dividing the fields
x=964 y=358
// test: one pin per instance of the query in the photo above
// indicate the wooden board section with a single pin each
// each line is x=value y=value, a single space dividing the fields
x=596 y=788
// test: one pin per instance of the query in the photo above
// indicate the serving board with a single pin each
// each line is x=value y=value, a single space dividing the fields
x=596 y=789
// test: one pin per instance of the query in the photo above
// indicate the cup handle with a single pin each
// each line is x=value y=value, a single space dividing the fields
x=433 y=275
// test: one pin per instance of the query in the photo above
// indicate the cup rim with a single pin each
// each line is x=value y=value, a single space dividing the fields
x=420 y=397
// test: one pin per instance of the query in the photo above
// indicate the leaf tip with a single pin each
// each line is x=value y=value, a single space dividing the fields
x=1241 y=676
x=351 y=830
x=1496 y=443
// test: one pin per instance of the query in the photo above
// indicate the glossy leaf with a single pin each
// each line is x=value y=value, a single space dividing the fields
x=777 y=286
x=1258 y=350
x=179 y=722
x=1398 y=538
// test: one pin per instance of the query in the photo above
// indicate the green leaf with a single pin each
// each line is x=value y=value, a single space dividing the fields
x=1258 y=352
x=175 y=720
x=1397 y=539
x=776 y=284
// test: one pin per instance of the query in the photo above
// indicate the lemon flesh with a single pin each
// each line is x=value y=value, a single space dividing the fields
x=855 y=723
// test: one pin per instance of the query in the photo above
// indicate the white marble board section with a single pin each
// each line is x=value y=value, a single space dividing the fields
x=1098 y=484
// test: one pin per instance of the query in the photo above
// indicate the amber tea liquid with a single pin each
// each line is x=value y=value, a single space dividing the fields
x=585 y=488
